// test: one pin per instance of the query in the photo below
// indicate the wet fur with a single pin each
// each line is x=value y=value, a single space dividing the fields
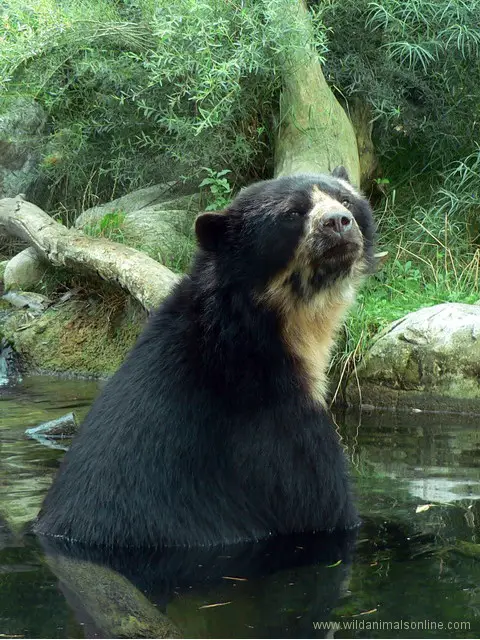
x=213 y=430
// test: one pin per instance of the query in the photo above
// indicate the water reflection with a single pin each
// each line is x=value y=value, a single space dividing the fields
x=417 y=556
x=437 y=455
x=268 y=589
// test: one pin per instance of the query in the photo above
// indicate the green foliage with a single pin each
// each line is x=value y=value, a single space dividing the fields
x=431 y=259
x=109 y=226
x=459 y=199
x=145 y=90
x=416 y=63
x=219 y=187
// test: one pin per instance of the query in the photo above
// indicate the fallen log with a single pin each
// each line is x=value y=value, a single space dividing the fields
x=145 y=279
x=116 y=607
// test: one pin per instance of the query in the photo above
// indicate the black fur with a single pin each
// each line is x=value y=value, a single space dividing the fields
x=341 y=172
x=206 y=434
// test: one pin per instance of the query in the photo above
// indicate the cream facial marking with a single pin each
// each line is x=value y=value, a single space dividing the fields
x=310 y=331
x=348 y=187
x=309 y=328
x=310 y=322
x=320 y=198
x=324 y=204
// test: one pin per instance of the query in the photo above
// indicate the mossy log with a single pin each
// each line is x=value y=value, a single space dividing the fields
x=116 y=606
x=145 y=279
x=315 y=134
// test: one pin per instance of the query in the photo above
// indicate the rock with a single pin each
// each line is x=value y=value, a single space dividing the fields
x=430 y=359
x=10 y=370
x=27 y=300
x=151 y=220
x=24 y=271
x=21 y=123
x=63 y=427
x=163 y=235
x=158 y=197
x=79 y=337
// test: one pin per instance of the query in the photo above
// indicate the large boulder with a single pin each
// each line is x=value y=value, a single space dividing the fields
x=21 y=124
x=430 y=359
x=153 y=220
x=157 y=197
x=166 y=236
x=24 y=271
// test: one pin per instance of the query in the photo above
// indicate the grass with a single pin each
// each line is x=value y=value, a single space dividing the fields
x=109 y=227
x=177 y=257
x=431 y=260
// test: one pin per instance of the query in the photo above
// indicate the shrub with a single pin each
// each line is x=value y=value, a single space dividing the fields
x=143 y=91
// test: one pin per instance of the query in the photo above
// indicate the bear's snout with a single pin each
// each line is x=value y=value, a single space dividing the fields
x=338 y=232
x=338 y=223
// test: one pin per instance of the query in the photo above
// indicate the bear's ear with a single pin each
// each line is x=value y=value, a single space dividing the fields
x=210 y=229
x=341 y=172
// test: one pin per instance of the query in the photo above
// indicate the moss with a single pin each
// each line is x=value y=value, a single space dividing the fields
x=117 y=607
x=4 y=305
x=468 y=549
x=88 y=337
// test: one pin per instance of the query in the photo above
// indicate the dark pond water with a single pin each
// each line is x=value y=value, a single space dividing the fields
x=412 y=571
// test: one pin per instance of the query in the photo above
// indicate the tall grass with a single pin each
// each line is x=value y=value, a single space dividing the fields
x=415 y=62
x=434 y=256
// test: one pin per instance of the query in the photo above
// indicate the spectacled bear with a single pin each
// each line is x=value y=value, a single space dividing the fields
x=215 y=429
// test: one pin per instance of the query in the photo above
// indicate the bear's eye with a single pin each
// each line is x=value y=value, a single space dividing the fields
x=294 y=213
x=346 y=203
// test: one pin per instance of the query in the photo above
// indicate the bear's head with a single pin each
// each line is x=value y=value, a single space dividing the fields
x=293 y=237
x=298 y=246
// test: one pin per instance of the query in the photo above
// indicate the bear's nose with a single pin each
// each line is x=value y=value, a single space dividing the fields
x=339 y=223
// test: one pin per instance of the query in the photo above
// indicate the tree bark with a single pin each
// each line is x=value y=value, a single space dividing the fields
x=315 y=134
x=145 y=279
x=361 y=117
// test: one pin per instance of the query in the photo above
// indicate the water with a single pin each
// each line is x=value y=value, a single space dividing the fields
x=412 y=571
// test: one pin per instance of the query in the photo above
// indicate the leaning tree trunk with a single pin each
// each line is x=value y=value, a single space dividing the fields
x=315 y=134
x=145 y=279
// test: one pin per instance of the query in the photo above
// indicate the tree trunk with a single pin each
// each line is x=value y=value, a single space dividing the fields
x=361 y=117
x=144 y=278
x=315 y=134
